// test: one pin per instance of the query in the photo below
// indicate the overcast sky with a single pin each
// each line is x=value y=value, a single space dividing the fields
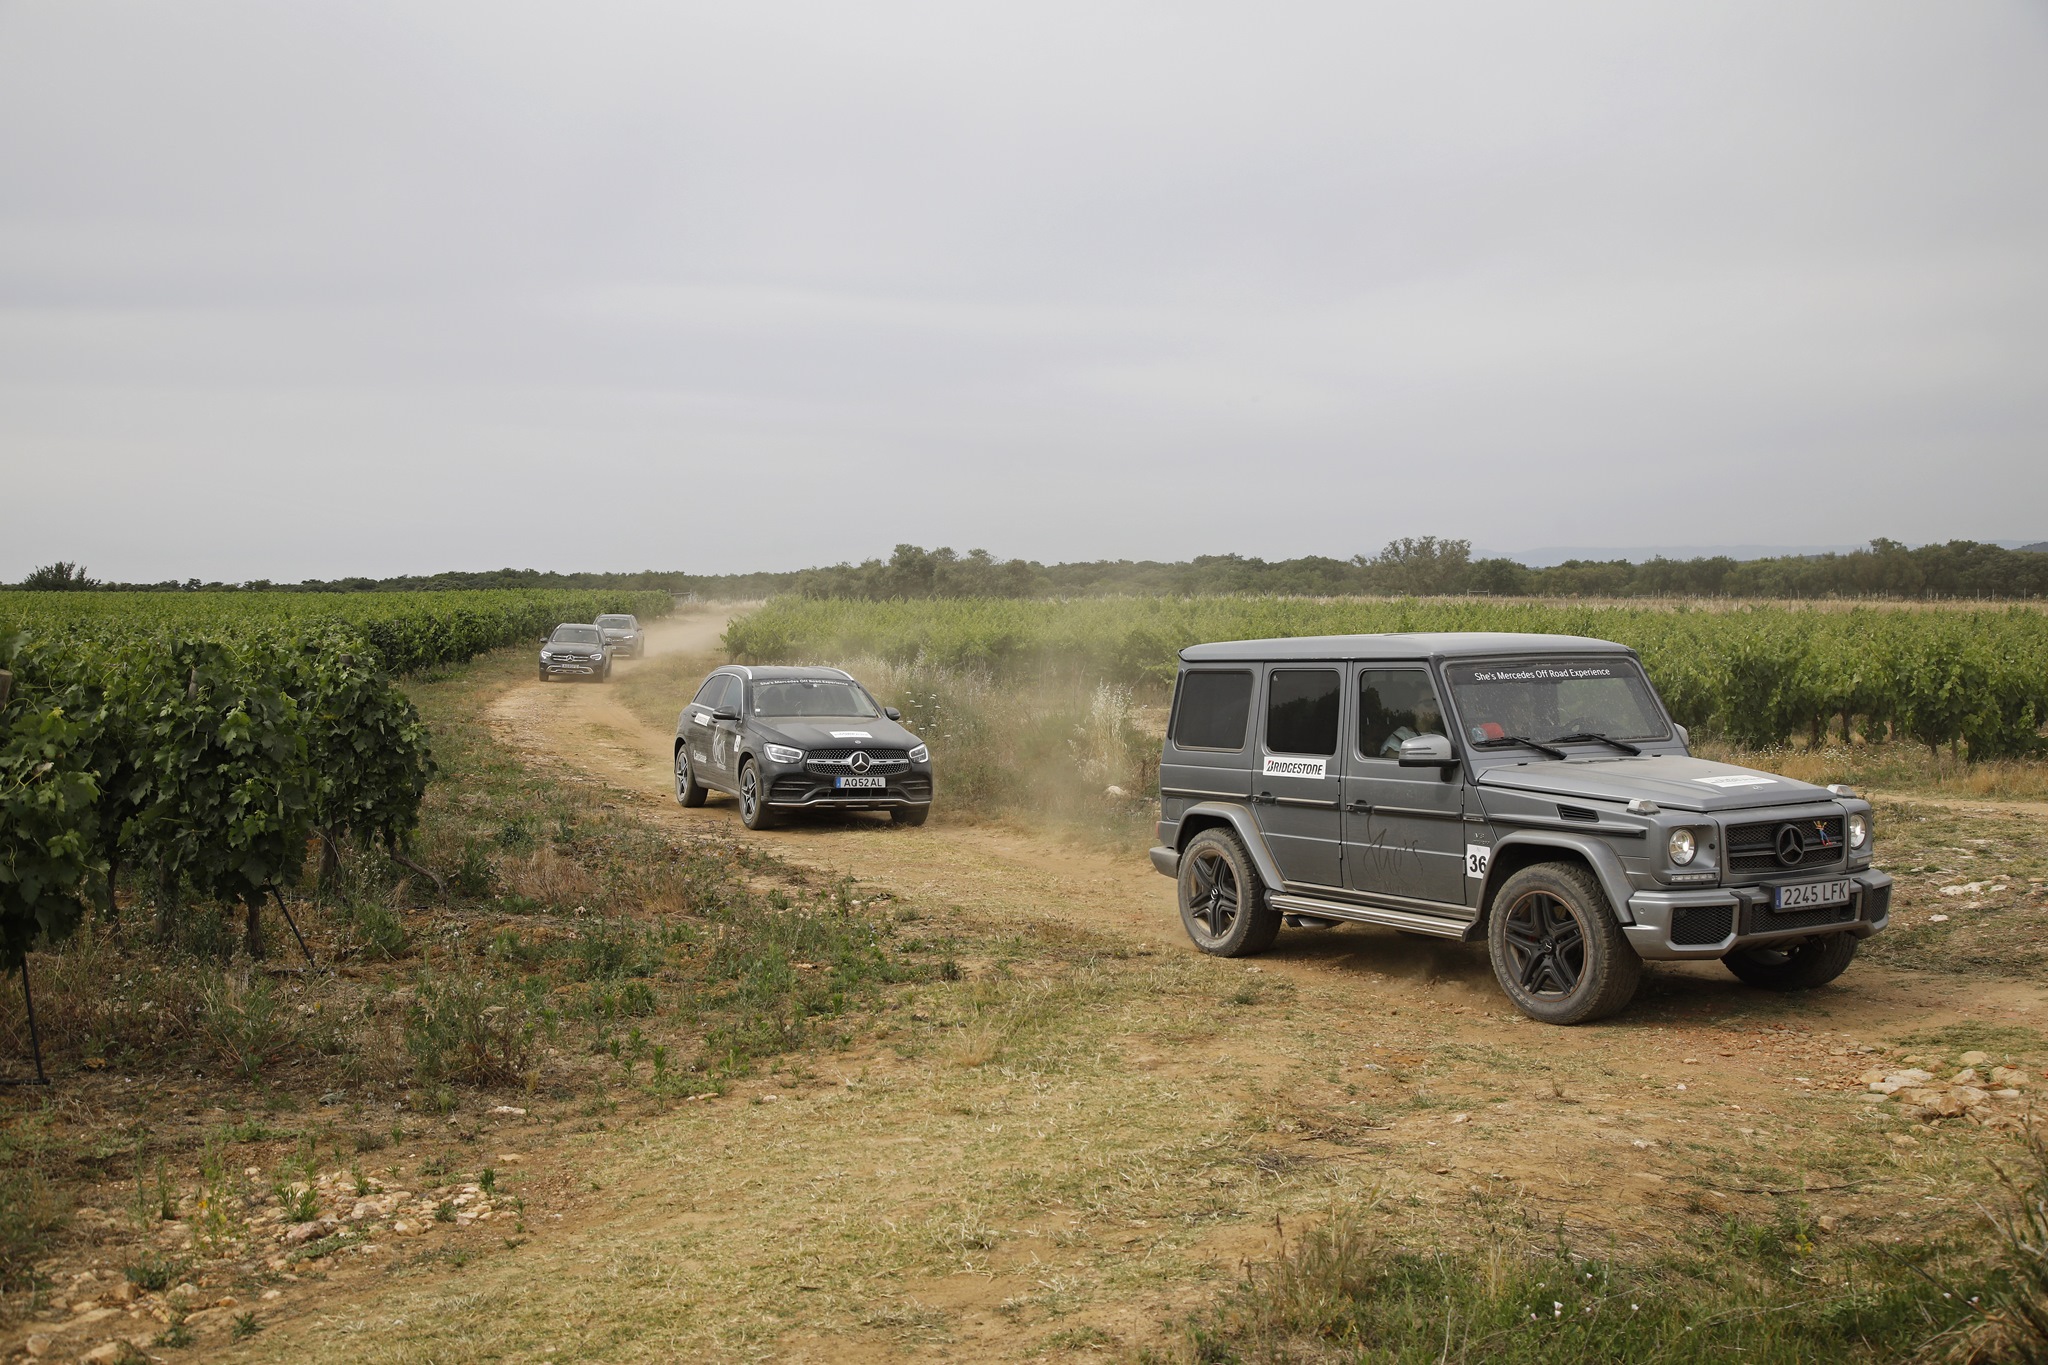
x=294 y=290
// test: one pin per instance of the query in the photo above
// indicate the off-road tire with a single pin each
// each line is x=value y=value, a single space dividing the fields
x=1222 y=901
x=1556 y=949
x=911 y=816
x=1797 y=967
x=546 y=676
x=754 y=812
x=689 y=791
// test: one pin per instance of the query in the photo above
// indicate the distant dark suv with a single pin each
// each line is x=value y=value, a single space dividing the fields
x=624 y=635
x=787 y=739
x=577 y=651
x=1528 y=790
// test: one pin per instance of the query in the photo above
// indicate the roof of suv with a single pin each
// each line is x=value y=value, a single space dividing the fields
x=1405 y=645
x=771 y=674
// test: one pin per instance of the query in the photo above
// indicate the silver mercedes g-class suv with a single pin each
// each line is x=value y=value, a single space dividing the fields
x=1530 y=790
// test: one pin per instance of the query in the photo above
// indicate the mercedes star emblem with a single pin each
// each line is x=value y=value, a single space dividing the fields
x=1791 y=845
x=859 y=762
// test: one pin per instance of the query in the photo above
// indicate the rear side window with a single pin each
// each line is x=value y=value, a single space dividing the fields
x=1301 y=711
x=1212 y=711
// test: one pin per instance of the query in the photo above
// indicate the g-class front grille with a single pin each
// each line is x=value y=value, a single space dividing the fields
x=1771 y=846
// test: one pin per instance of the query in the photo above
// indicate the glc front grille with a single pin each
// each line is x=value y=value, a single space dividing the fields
x=839 y=762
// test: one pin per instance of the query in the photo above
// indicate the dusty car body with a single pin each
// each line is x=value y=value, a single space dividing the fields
x=789 y=739
x=575 y=651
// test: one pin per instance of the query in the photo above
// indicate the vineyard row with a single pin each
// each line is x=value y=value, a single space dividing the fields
x=1974 y=680
x=201 y=744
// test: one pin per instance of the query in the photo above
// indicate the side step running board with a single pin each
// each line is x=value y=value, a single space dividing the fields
x=1366 y=914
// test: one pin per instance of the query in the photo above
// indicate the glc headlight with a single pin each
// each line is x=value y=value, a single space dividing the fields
x=1684 y=848
x=545 y=656
x=782 y=753
x=1859 y=831
x=920 y=754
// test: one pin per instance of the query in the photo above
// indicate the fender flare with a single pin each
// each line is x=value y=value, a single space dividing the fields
x=1597 y=853
x=1241 y=824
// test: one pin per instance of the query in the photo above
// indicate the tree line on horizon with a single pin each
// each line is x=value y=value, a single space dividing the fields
x=1419 y=566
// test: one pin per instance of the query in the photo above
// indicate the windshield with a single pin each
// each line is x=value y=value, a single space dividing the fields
x=811 y=697
x=616 y=622
x=576 y=635
x=1549 y=699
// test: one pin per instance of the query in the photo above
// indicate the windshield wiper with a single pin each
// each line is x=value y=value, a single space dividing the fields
x=1583 y=735
x=1522 y=740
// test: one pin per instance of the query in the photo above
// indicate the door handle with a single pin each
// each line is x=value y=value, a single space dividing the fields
x=1263 y=799
x=1359 y=807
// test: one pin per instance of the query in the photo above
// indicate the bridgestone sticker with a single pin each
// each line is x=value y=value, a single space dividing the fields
x=1738 y=780
x=1476 y=856
x=1296 y=767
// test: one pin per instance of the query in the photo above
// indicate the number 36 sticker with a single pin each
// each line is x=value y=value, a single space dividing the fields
x=1475 y=859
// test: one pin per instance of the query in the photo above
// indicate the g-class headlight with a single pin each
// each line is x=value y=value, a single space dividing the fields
x=920 y=754
x=1684 y=848
x=1859 y=831
x=782 y=753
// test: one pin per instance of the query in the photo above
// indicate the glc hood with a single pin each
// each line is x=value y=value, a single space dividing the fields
x=1671 y=780
x=825 y=732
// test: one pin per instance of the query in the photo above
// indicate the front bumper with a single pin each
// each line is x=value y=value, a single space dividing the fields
x=798 y=790
x=1714 y=921
x=572 y=667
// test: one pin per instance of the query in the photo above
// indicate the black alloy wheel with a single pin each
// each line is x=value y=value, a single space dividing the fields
x=689 y=792
x=754 y=812
x=1222 y=901
x=1557 y=951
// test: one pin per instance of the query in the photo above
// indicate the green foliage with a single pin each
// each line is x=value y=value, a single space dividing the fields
x=1758 y=674
x=48 y=811
x=63 y=576
x=199 y=737
x=474 y=1031
x=1745 y=1291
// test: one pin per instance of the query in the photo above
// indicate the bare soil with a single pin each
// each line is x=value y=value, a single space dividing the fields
x=1075 y=1146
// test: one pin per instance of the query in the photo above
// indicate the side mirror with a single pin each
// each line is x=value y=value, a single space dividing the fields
x=892 y=713
x=1684 y=736
x=725 y=713
x=1427 y=751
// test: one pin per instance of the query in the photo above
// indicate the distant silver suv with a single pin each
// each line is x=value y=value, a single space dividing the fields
x=624 y=635
x=1530 y=790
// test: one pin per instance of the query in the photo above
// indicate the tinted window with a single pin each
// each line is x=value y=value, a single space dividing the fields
x=1212 y=710
x=617 y=622
x=1395 y=704
x=708 y=693
x=577 y=635
x=1301 y=711
x=735 y=690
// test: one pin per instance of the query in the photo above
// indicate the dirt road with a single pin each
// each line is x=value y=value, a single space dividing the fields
x=1076 y=1146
